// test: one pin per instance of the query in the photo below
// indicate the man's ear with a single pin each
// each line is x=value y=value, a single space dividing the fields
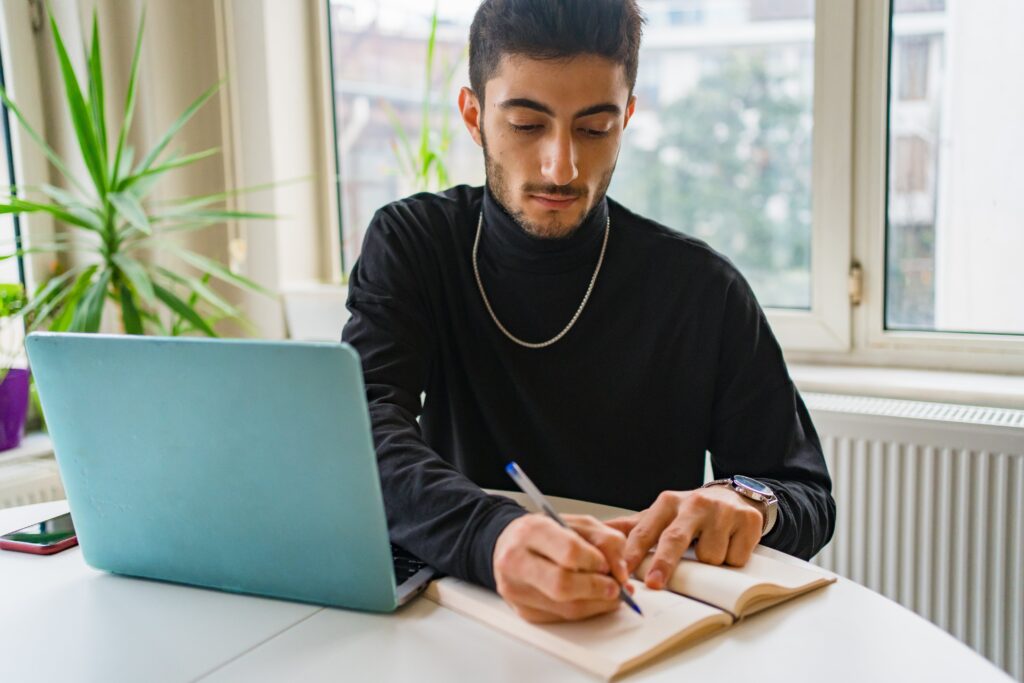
x=630 y=106
x=469 y=108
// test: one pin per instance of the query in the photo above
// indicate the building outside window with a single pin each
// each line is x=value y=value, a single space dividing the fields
x=955 y=227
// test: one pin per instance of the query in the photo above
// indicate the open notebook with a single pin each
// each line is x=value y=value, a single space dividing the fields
x=700 y=600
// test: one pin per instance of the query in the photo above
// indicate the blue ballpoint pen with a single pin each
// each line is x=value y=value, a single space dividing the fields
x=528 y=487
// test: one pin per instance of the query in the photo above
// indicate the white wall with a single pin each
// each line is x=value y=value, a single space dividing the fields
x=277 y=133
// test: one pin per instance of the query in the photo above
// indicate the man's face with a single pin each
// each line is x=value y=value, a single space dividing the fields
x=551 y=132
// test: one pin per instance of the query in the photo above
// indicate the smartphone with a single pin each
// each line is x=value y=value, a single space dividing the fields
x=42 y=538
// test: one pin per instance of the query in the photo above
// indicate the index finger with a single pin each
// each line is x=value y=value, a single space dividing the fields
x=647 y=531
x=610 y=541
x=624 y=524
x=567 y=549
x=674 y=541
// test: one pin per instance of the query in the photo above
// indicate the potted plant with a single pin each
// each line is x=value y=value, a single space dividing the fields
x=112 y=209
x=14 y=381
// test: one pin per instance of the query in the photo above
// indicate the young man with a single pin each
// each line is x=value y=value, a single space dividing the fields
x=548 y=324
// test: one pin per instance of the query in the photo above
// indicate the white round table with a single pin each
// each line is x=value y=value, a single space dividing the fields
x=62 y=620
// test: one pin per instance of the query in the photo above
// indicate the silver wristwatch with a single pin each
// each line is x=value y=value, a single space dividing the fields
x=755 y=490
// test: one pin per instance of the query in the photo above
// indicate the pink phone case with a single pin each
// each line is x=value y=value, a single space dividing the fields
x=36 y=549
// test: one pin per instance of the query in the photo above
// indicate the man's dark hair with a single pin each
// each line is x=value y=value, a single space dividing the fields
x=553 y=29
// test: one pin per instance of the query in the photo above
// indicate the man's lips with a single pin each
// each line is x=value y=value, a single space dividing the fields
x=553 y=201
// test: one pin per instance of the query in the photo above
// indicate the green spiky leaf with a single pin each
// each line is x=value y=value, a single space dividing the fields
x=89 y=312
x=136 y=274
x=129 y=104
x=176 y=126
x=218 y=270
x=130 y=208
x=67 y=311
x=183 y=309
x=129 y=311
x=81 y=117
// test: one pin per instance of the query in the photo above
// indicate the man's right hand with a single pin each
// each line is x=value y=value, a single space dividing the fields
x=550 y=573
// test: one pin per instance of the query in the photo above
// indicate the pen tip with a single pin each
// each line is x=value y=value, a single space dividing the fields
x=630 y=601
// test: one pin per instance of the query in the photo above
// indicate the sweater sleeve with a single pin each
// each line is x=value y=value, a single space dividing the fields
x=761 y=428
x=433 y=510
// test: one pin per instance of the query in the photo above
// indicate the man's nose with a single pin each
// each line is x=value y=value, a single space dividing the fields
x=559 y=163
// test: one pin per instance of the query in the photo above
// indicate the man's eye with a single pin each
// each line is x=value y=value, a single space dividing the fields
x=524 y=128
x=594 y=133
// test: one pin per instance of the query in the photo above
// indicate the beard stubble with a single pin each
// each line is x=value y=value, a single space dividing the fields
x=497 y=182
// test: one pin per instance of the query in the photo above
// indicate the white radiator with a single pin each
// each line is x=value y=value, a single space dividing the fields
x=28 y=473
x=930 y=512
x=25 y=483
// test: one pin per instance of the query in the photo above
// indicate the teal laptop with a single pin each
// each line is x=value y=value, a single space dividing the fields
x=241 y=465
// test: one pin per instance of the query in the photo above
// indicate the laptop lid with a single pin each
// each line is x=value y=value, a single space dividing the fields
x=242 y=465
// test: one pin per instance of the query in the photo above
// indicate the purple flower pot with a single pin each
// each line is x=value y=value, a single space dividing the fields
x=13 y=407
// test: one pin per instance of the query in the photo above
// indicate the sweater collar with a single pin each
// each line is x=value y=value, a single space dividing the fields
x=504 y=241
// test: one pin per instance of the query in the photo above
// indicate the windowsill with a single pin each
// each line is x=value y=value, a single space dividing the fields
x=1000 y=391
x=33 y=445
x=966 y=388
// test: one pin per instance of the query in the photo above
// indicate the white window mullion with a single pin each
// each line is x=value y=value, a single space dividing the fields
x=826 y=327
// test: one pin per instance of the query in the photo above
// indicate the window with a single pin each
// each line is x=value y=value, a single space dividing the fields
x=379 y=72
x=721 y=145
x=955 y=214
x=720 y=148
x=912 y=54
x=738 y=115
x=910 y=168
x=748 y=135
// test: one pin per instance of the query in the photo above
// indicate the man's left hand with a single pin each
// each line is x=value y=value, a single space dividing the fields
x=726 y=526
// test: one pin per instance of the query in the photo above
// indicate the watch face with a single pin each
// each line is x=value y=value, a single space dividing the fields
x=752 y=484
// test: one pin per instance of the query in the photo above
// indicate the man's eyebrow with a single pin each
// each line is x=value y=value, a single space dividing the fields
x=607 y=108
x=526 y=103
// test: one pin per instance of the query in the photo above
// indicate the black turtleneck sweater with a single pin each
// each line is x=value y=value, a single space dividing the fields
x=671 y=357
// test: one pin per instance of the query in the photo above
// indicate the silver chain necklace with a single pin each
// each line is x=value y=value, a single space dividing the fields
x=487 y=303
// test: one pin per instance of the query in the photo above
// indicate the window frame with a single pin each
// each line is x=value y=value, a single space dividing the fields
x=826 y=326
x=874 y=343
x=849 y=184
x=20 y=26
